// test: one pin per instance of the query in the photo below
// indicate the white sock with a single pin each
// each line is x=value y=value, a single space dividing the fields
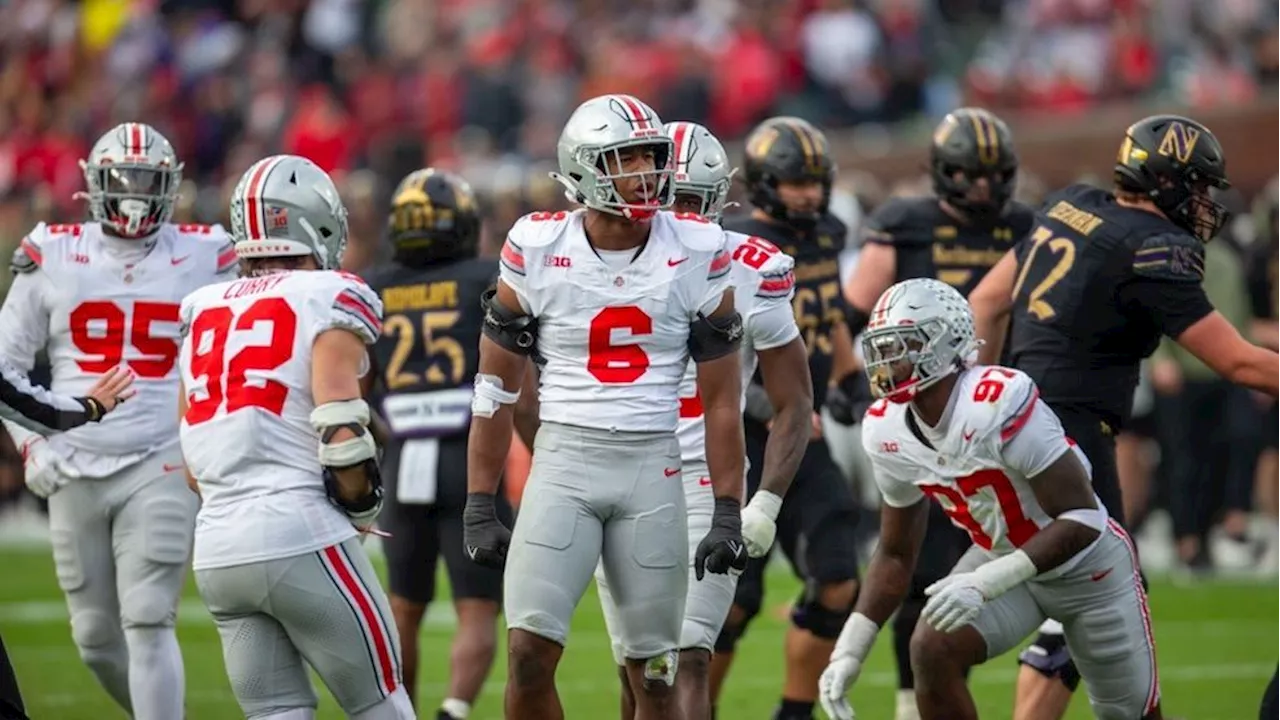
x=155 y=672
x=457 y=709
x=906 y=706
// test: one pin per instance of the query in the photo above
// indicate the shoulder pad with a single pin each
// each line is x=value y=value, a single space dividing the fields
x=358 y=304
x=1173 y=257
x=877 y=425
x=885 y=224
x=832 y=233
x=760 y=263
x=998 y=401
x=694 y=232
x=26 y=257
x=538 y=229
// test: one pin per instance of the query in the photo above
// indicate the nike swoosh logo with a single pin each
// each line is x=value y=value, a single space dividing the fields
x=669 y=472
x=1101 y=574
x=178 y=261
x=969 y=435
x=704 y=481
x=472 y=551
x=172 y=468
x=673 y=263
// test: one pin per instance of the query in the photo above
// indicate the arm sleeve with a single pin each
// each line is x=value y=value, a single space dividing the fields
x=37 y=409
x=1033 y=439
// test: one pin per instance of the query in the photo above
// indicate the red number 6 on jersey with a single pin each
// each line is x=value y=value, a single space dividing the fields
x=617 y=364
x=228 y=380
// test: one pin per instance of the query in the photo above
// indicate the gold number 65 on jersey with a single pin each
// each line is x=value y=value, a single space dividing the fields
x=1058 y=246
x=815 y=309
x=446 y=362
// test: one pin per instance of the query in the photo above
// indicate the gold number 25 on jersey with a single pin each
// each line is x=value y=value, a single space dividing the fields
x=1065 y=252
x=442 y=352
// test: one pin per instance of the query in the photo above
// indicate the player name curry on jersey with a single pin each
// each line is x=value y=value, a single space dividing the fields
x=994 y=435
x=1097 y=285
x=929 y=243
x=763 y=286
x=429 y=349
x=818 y=303
x=98 y=302
x=247 y=435
x=613 y=332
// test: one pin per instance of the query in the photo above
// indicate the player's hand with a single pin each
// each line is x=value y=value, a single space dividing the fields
x=483 y=535
x=848 y=399
x=113 y=388
x=954 y=601
x=42 y=469
x=759 y=522
x=723 y=550
x=833 y=687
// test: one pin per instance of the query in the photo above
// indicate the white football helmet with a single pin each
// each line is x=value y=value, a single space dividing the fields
x=132 y=176
x=921 y=330
x=602 y=126
x=285 y=206
x=700 y=167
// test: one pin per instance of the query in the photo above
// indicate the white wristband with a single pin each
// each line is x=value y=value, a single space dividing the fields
x=767 y=503
x=856 y=639
x=1001 y=574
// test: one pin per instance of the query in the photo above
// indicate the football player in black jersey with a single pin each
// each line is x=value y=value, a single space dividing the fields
x=788 y=173
x=955 y=235
x=1102 y=276
x=423 y=364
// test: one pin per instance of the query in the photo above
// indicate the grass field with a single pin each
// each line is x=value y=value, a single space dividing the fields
x=1217 y=649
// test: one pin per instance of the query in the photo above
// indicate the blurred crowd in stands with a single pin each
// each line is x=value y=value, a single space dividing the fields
x=372 y=89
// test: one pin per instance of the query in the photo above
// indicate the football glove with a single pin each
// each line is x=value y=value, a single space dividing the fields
x=848 y=399
x=483 y=535
x=833 y=687
x=723 y=550
x=955 y=600
x=759 y=522
x=43 y=469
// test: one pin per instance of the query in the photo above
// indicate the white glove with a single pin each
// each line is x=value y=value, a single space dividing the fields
x=759 y=522
x=44 y=471
x=956 y=600
x=834 y=685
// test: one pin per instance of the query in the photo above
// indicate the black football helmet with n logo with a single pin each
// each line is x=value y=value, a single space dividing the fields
x=787 y=149
x=1178 y=163
x=433 y=219
x=969 y=144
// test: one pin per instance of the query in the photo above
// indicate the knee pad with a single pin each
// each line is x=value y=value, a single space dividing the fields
x=150 y=605
x=823 y=622
x=95 y=630
x=1048 y=656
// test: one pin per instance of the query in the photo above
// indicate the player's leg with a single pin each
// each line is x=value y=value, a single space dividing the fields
x=268 y=677
x=11 y=707
x=334 y=610
x=706 y=604
x=477 y=599
x=645 y=555
x=748 y=598
x=817 y=531
x=1104 y=612
x=80 y=531
x=941 y=661
x=1271 y=699
x=1046 y=675
x=555 y=547
x=412 y=552
x=151 y=537
x=943 y=545
x=612 y=626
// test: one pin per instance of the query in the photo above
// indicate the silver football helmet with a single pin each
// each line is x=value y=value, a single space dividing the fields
x=700 y=167
x=589 y=146
x=920 y=331
x=285 y=206
x=132 y=176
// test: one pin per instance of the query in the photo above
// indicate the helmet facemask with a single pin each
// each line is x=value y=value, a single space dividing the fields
x=600 y=192
x=711 y=196
x=131 y=200
x=1194 y=206
x=902 y=360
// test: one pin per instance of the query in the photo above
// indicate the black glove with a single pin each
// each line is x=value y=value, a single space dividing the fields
x=722 y=551
x=849 y=399
x=483 y=534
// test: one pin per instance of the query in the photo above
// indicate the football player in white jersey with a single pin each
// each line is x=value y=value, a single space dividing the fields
x=981 y=442
x=613 y=300
x=102 y=294
x=277 y=440
x=763 y=287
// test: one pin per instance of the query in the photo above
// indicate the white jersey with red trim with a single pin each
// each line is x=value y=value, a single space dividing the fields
x=614 y=331
x=97 y=302
x=763 y=287
x=995 y=434
x=247 y=435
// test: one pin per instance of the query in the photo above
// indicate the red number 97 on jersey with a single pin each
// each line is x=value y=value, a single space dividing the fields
x=228 y=381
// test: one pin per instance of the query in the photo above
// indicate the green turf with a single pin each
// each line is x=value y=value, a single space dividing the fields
x=1217 y=650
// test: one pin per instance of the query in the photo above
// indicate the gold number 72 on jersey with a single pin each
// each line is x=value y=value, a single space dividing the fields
x=440 y=351
x=1036 y=305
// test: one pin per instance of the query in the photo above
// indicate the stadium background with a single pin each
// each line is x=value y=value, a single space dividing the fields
x=373 y=89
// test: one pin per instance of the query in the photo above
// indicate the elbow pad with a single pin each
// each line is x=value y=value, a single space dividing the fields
x=327 y=419
x=514 y=332
x=712 y=338
x=857 y=321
